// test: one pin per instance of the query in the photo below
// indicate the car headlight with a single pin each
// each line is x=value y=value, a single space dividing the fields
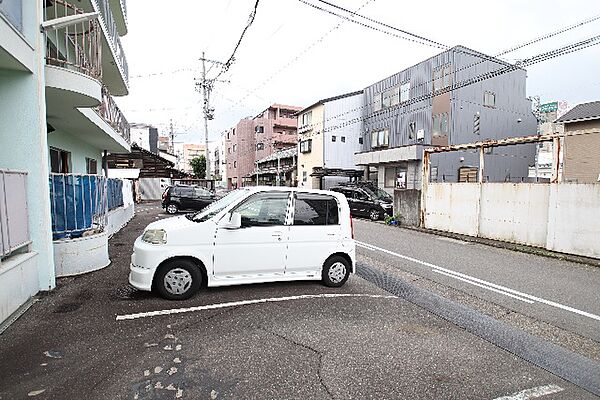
x=155 y=236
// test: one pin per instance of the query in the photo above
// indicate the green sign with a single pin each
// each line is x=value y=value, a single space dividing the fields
x=549 y=107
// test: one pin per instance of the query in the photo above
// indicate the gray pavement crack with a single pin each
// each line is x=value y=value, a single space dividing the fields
x=307 y=347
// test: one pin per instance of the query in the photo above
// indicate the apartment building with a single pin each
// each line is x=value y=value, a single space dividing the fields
x=187 y=152
x=444 y=101
x=57 y=116
x=145 y=136
x=327 y=141
x=255 y=138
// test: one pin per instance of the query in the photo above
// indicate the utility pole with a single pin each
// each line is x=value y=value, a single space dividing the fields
x=172 y=136
x=206 y=85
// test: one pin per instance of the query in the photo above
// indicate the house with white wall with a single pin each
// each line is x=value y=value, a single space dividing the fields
x=327 y=141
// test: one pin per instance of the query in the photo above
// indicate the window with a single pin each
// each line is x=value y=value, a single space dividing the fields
x=380 y=138
x=304 y=176
x=60 y=161
x=315 y=209
x=260 y=146
x=183 y=191
x=333 y=138
x=442 y=77
x=361 y=195
x=227 y=135
x=264 y=209
x=91 y=166
x=235 y=164
x=229 y=150
x=377 y=102
x=260 y=129
x=476 y=121
x=306 y=146
x=489 y=99
x=201 y=192
x=395 y=177
x=404 y=92
x=386 y=98
x=234 y=147
x=343 y=139
x=307 y=118
x=440 y=124
x=412 y=129
x=360 y=140
x=233 y=131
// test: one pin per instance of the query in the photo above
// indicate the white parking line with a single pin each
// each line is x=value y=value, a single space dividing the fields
x=244 y=303
x=532 y=393
x=483 y=286
x=486 y=283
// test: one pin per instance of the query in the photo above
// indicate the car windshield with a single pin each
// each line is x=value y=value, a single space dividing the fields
x=377 y=193
x=214 y=208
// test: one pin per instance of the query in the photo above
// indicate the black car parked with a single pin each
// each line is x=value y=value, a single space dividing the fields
x=366 y=202
x=181 y=197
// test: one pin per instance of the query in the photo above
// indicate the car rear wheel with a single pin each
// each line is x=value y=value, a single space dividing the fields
x=336 y=271
x=172 y=208
x=374 y=215
x=178 y=280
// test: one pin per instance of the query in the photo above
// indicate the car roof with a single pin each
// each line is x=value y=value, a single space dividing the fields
x=254 y=189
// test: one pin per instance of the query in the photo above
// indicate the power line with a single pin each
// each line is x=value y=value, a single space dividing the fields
x=420 y=39
x=231 y=58
x=549 y=35
x=294 y=59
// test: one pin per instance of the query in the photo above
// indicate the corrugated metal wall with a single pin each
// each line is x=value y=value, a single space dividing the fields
x=501 y=121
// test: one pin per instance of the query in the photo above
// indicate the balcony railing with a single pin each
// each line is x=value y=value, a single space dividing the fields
x=109 y=22
x=76 y=46
x=110 y=112
x=13 y=12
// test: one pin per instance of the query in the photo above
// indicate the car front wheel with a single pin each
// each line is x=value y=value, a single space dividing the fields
x=172 y=208
x=178 y=280
x=336 y=271
x=374 y=215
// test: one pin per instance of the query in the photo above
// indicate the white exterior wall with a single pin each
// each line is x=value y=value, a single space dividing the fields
x=340 y=112
x=141 y=137
x=453 y=207
x=574 y=219
x=560 y=217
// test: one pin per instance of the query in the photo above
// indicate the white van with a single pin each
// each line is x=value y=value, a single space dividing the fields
x=252 y=235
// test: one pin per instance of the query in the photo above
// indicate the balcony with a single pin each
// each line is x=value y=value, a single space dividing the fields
x=74 y=62
x=119 y=8
x=110 y=112
x=116 y=69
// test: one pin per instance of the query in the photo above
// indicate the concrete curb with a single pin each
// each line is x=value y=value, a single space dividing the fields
x=538 y=251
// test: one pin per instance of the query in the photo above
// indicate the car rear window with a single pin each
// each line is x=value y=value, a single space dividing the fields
x=315 y=209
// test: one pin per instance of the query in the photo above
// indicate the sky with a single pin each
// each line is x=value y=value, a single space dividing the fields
x=294 y=54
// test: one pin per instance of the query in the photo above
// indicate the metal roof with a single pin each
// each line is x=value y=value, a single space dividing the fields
x=582 y=112
x=323 y=101
x=287 y=153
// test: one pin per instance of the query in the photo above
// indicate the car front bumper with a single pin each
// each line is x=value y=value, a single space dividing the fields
x=140 y=278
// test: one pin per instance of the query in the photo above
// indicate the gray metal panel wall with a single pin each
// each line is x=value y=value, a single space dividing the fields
x=496 y=123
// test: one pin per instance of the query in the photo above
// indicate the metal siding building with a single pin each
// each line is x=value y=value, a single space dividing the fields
x=509 y=116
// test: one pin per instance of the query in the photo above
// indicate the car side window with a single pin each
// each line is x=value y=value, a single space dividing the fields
x=315 y=209
x=200 y=192
x=184 y=192
x=360 y=195
x=263 y=209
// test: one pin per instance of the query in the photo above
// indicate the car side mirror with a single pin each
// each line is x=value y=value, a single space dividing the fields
x=233 y=222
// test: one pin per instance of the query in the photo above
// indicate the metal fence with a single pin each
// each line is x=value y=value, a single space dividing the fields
x=103 y=7
x=80 y=203
x=14 y=226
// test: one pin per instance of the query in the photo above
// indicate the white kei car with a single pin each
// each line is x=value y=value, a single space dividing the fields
x=252 y=235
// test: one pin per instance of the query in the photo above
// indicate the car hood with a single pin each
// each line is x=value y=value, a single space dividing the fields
x=171 y=224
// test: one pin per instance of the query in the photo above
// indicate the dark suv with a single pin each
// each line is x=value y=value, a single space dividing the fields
x=366 y=201
x=181 y=197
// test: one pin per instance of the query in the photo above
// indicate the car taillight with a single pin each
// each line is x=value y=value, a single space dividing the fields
x=351 y=226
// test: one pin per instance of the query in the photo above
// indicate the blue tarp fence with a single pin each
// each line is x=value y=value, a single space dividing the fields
x=81 y=202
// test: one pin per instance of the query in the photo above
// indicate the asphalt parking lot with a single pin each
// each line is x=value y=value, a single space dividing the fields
x=95 y=337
